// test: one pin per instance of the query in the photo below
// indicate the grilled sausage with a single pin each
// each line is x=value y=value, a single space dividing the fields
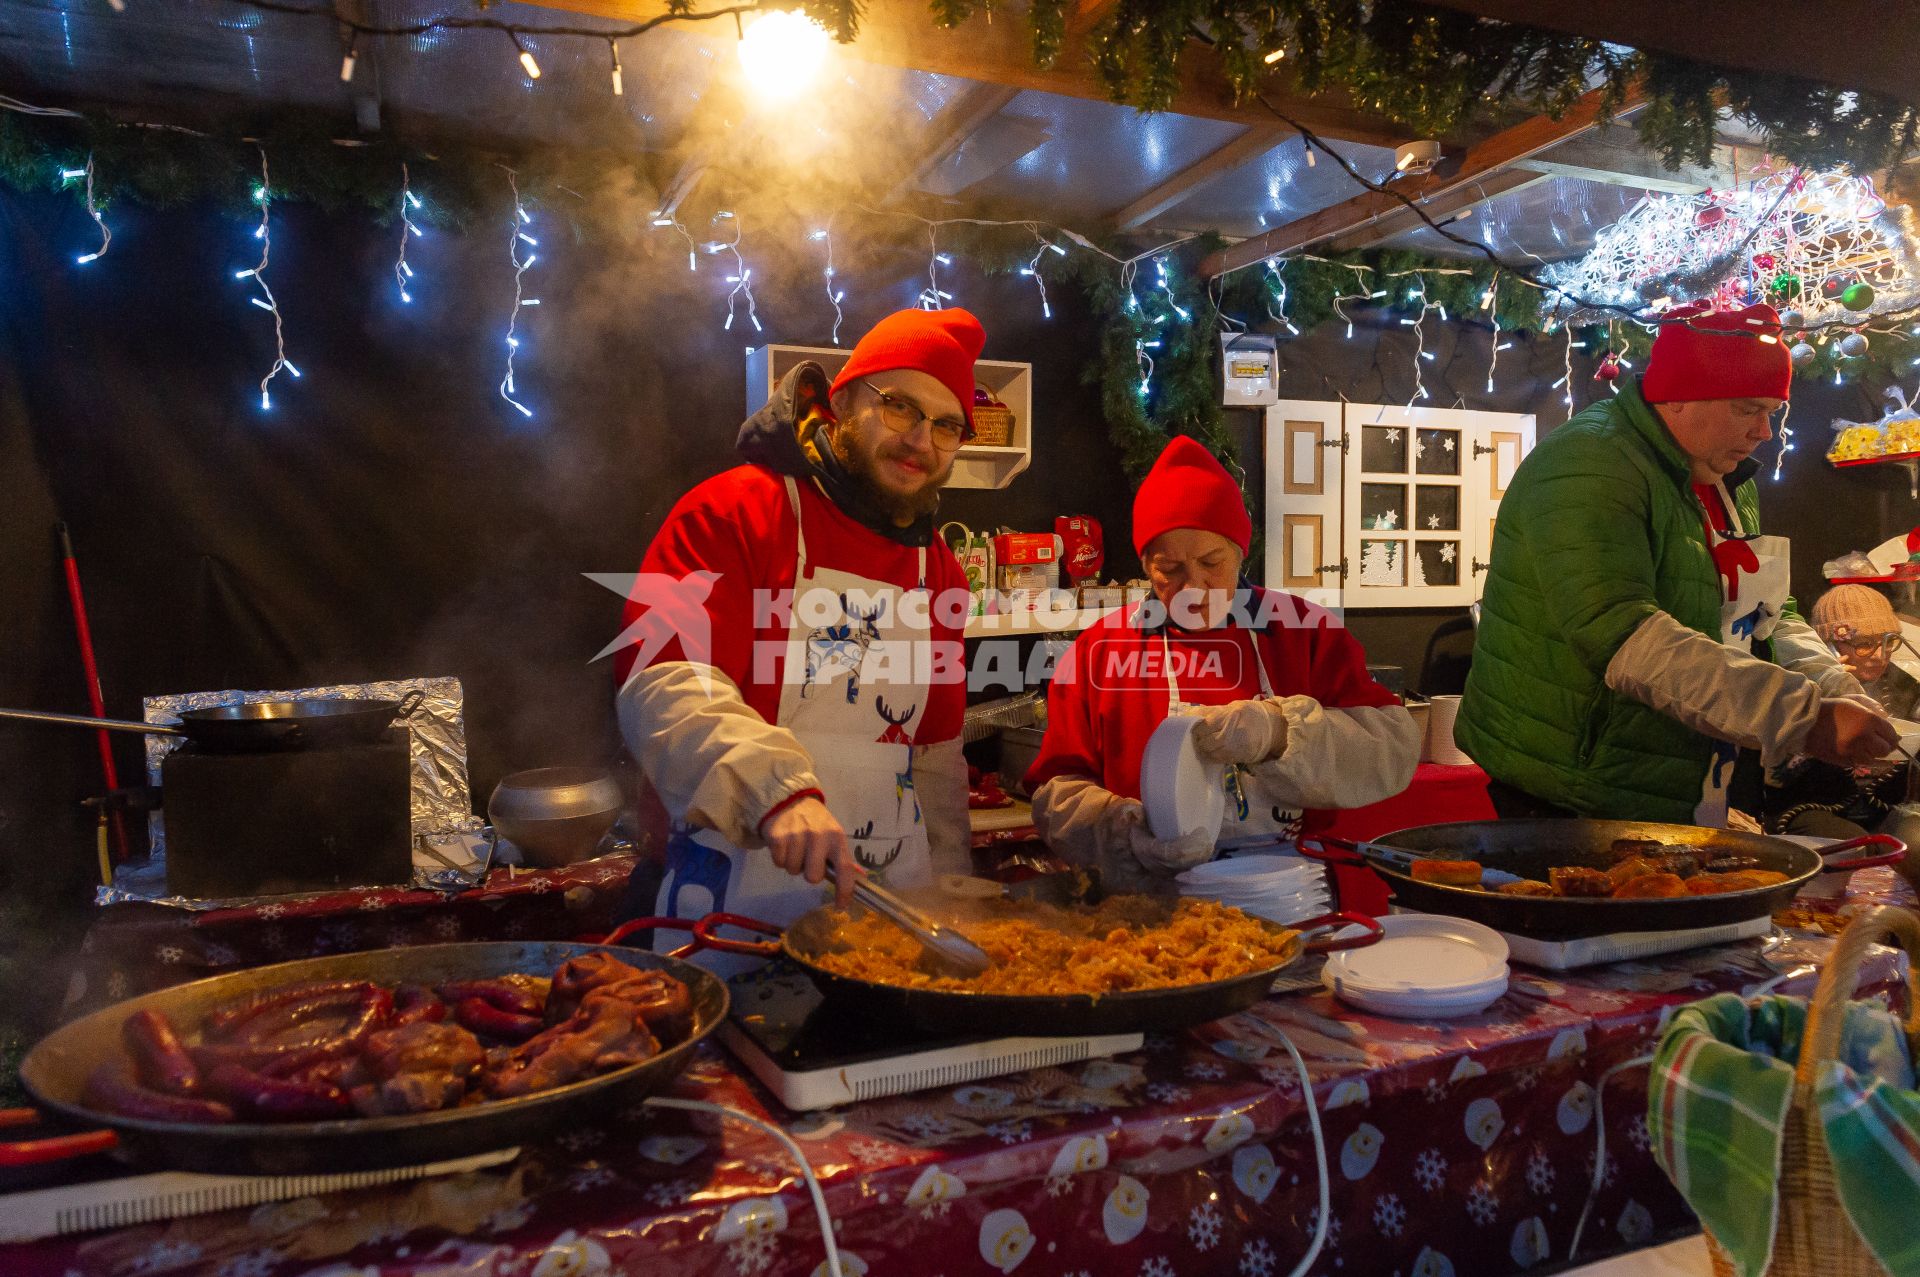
x=287 y=1099
x=159 y=1058
x=489 y=1020
x=111 y=1088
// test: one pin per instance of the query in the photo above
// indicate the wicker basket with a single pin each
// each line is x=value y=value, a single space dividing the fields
x=992 y=425
x=1813 y=1237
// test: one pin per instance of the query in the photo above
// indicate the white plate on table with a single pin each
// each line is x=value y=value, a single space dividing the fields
x=1425 y=965
x=1182 y=794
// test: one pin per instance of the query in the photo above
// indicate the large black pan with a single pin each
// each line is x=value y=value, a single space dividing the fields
x=1016 y=1015
x=1530 y=848
x=56 y=1070
x=258 y=726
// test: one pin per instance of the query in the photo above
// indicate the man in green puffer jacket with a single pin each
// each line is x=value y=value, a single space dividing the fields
x=1636 y=629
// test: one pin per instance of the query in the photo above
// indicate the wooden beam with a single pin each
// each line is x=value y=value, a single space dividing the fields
x=1402 y=219
x=1524 y=140
x=900 y=33
x=950 y=130
x=1249 y=146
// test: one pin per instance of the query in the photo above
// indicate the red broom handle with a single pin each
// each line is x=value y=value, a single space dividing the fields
x=92 y=671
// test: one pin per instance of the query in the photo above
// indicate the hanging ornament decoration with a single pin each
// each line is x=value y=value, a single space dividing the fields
x=1609 y=369
x=1792 y=319
x=1801 y=354
x=1825 y=241
x=1854 y=345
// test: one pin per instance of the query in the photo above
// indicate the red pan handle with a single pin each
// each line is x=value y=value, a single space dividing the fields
x=1895 y=853
x=1331 y=851
x=703 y=935
x=1331 y=922
x=632 y=925
x=57 y=1148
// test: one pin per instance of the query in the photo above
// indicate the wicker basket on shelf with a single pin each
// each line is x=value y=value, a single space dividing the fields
x=992 y=422
x=1813 y=1237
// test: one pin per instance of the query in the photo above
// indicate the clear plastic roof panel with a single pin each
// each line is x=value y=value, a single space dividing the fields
x=1276 y=188
x=1552 y=220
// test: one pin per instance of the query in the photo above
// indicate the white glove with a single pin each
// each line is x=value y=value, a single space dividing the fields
x=1169 y=855
x=1245 y=732
x=1092 y=826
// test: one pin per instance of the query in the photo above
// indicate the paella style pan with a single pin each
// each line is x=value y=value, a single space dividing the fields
x=258 y=726
x=1024 y=1015
x=1529 y=848
x=56 y=1069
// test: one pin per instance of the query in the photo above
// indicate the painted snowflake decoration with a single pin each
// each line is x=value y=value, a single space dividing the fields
x=1059 y=1185
x=373 y=903
x=446 y=926
x=588 y=1178
x=1430 y=1170
x=1637 y=1133
x=1393 y=434
x=171 y=954
x=1168 y=1093
x=1446 y=441
x=1526 y=1079
x=1482 y=1205
x=672 y=1192
x=753 y=1253
x=1203 y=1227
x=869 y=1152
x=1435 y=1090
x=1540 y=1172
x=1158 y=1266
x=1446 y=554
x=1419 y=447
x=1206 y=1070
x=581 y=1138
x=1011 y=1132
x=1389 y=1216
x=1433 y=520
x=1333 y=1228
x=927 y=1126
x=1608 y=1171
x=1256 y=1259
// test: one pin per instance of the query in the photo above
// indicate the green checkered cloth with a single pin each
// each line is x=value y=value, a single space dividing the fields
x=1717 y=1106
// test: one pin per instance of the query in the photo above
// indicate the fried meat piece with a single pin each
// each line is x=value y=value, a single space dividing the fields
x=1446 y=873
x=1525 y=887
x=417 y=1068
x=1740 y=880
x=1572 y=880
x=1653 y=886
x=660 y=1000
x=605 y=1033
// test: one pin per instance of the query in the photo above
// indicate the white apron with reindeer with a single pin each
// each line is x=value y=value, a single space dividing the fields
x=854 y=685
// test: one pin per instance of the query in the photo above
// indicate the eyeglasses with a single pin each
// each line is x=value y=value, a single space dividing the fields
x=902 y=416
x=1867 y=644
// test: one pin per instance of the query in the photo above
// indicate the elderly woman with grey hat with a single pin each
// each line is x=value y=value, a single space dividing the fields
x=1807 y=796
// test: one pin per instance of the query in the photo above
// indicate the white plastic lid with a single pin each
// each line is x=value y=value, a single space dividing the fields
x=1426 y=954
x=1182 y=794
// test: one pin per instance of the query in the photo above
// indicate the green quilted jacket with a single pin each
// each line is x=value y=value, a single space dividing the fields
x=1598 y=529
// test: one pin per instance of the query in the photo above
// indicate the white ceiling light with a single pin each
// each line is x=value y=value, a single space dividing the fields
x=782 y=52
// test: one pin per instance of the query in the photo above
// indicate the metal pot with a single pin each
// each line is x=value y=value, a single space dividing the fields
x=555 y=815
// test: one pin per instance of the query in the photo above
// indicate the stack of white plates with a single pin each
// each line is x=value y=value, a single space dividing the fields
x=1280 y=888
x=1426 y=967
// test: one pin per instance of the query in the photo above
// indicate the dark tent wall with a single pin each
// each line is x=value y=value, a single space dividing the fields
x=390 y=516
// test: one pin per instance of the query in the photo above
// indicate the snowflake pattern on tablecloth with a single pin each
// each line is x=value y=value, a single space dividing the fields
x=1206 y=1070
x=1435 y=1090
x=1159 y=1042
x=588 y=1178
x=164 y=1254
x=271 y=911
x=1608 y=1171
x=255 y=1263
x=171 y=954
x=516 y=928
x=1483 y=1205
x=1333 y=1228
x=581 y=1138
x=117 y=985
x=753 y=1253
x=1167 y=1093
x=927 y=1126
x=1526 y=1079
x=1158 y=1266
x=540 y=886
x=1256 y=1259
x=374 y=904
x=446 y=926
x=1059 y=1185
x=1281 y=1076
x=1203 y=1227
x=220 y=955
x=672 y=1192
x=1011 y=1132
x=1637 y=1133
x=1430 y=1169
x=869 y=1152
x=1540 y=1172
x=1389 y=1216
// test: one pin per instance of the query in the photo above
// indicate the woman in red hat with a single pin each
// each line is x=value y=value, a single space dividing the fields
x=1280 y=688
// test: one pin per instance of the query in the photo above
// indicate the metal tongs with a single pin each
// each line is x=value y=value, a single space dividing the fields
x=945 y=946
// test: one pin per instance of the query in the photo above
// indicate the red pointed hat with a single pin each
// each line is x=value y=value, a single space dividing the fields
x=1187 y=488
x=941 y=343
x=1735 y=354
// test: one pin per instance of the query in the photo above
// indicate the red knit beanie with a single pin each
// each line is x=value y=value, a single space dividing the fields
x=1187 y=488
x=941 y=343
x=1736 y=354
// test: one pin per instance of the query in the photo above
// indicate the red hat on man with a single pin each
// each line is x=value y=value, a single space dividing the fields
x=1187 y=488
x=1735 y=354
x=941 y=343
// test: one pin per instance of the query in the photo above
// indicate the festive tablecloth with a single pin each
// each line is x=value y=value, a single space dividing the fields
x=1461 y=1148
x=134 y=948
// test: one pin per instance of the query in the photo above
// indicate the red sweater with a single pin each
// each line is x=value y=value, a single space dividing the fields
x=1110 y=692
x=739 y=524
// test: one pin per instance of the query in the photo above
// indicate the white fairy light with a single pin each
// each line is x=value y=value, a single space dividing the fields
x=1280 y=282
x=516 y=235
x=619 y=88
x=93 y=210
x=835 y=293
x=527 y=63
x=1032 y=269
x=408 y=202
x=263 y=196
x=742 y=277
x=663 y=218
x=1166 y=286
x=1566 y=378
x=933 y=295
x=1786 y=441
x=351 y=60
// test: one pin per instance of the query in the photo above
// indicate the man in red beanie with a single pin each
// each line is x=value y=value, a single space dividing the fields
x=1636 y=632
x=794 y=688
x=1281 y=692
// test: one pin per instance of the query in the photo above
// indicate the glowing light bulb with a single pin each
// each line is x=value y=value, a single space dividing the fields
x=1274 y=57
x=782 y=52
